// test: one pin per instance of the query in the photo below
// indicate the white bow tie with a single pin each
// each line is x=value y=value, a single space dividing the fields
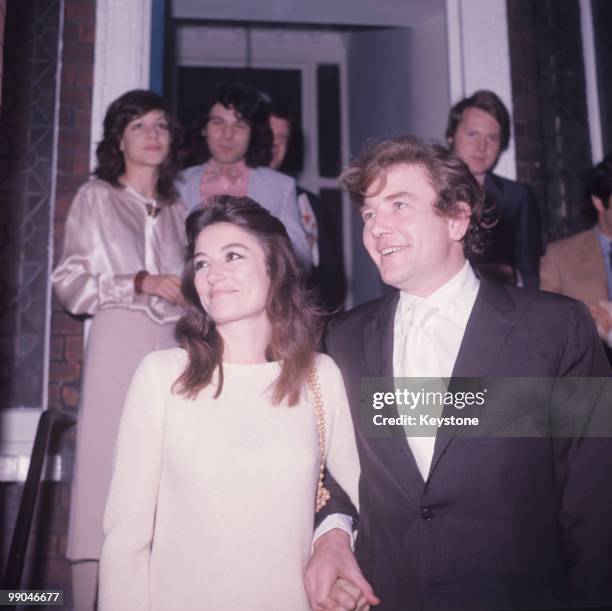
x=426 y=333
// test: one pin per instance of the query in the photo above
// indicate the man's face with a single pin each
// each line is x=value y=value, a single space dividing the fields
x=604 y=214
x=280 y=133
x=415 y=249
x=227 y=135
x=477 y=141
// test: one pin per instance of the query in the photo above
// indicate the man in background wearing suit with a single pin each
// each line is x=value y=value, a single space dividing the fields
x=581 y=266
x=450 y=522
x=323 y=234
x=478 y=131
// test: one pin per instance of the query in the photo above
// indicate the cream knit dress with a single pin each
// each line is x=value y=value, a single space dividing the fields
x=211 y=503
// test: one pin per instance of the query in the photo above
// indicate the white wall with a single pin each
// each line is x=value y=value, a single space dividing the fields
x=429 y=78
x=380 y=105
x=590 y=75
x=346 y=12
x=479 y=57
x=122 y=56
x=2 y=19
x=397 y=84
x=380 y=93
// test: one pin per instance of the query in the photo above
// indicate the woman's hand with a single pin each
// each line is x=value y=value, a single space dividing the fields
x=333 y=580
x=166 y=286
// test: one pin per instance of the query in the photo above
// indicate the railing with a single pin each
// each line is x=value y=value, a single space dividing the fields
x=49 y=421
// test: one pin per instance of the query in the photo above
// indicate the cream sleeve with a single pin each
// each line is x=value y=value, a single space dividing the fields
x=342 y=457
x=130 y=509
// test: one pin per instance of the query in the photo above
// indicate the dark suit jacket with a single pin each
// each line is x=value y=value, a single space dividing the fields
x=328 y=277
x=516 y=240
x=501 y=523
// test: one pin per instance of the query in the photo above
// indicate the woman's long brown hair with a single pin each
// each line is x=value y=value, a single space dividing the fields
x=295 y=320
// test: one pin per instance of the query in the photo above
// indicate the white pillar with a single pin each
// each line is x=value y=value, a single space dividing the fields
x=2 y=19
x=590 y=75
x=479 y=57
x=122 y=56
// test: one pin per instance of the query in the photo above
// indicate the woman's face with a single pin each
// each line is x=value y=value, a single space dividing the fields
x=231 y=275
x=146 y=140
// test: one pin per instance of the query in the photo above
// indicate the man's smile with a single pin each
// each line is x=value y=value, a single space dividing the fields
x=391 y=249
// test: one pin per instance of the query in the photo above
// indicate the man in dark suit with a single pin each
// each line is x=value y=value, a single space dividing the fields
x=451 y=522
x=321 y=224
x=478 y=131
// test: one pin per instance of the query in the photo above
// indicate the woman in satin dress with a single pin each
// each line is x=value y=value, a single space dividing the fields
x=121 y=260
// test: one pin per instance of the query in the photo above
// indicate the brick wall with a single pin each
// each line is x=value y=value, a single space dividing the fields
x=66 y=352
x=550 y=108
x=45 y=565
x=522 y=39
x=72 y=171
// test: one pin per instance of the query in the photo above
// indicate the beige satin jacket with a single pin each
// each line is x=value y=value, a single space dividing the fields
x=109 y=238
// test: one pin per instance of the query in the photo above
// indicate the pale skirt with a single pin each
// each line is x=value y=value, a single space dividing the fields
x=118 y=340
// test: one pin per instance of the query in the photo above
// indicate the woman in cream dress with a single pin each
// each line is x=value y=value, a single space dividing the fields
x=218 y=458
x=123 y=252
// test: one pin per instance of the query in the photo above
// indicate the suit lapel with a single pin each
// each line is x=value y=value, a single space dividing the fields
x=378 y=339
x=378 y=351
x=488 y=327
x=493 y=186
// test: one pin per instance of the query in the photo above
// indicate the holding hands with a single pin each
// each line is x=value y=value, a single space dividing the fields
x=333 y=580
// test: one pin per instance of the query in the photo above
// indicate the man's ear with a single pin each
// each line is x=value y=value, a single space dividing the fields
x=451 y=142
x=459 y=222
x=597 y=203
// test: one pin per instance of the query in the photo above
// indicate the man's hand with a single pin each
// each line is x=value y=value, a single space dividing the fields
x=348 y=596
x=166 y=286
x=603 y=321
x=333 y=579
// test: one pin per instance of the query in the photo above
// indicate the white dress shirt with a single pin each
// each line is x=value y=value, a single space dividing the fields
x=427 y=335
x=442 y=319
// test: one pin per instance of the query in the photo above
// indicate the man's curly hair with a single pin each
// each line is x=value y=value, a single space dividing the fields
x=450 y=178
x=250 y=105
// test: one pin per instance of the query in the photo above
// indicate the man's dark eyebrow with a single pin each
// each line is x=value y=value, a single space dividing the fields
x=400 y=194
x=392 y=196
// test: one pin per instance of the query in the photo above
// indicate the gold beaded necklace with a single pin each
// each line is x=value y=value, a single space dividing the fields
x=312 y=380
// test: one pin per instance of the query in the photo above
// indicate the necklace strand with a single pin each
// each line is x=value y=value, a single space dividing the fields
x=323 y=494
